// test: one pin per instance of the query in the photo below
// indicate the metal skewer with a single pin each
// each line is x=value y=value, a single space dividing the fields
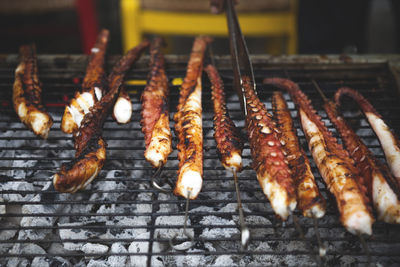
x=244 y=230
x=365 y=248
x=185 y=232
x=155 y=184
x=297 y=225
x=321 y=246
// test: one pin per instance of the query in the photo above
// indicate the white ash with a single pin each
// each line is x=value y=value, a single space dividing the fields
x=7 y=234
x=27 y=248
x=168 y=206
x=40 y=262
x=45 y=221
x=19 y=186
x=157 y=261
x=20 y=262
x=139 y=247
x=2 y=206
x=209 y=246
x=224 y=260
x=171 y=232
x=214 y=231
x=92 y=248
x=97 y=263
x=120 y=260
x=50 y=261
x=193 y=260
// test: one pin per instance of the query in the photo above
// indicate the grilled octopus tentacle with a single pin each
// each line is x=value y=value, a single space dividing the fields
x=335 y=165
x=122 y=112
x=27 y=94
x=92 y=87
x=155 y=115
x=382 y=188
x=269 y=161
x=310 y=201
x=389 y=141
x=227 y=136
x=188 y=125
x=89 y=144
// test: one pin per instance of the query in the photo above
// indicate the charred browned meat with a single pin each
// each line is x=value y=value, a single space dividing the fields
x=269 y=161
x=78 y=173
x=334 y=163
x=92 y=87
x=389 y=141
x=89 y=144
x=309 y=199
x=27 y=94
x=155 y=115
x=382 y=188
x=188 y=125
x=227 y=136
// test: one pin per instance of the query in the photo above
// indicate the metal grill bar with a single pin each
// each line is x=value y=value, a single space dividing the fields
x=121 y=207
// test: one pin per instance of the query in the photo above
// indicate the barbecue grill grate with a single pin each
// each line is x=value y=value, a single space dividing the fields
x=120 y=219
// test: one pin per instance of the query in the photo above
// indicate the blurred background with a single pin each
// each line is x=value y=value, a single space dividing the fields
x=271 y=26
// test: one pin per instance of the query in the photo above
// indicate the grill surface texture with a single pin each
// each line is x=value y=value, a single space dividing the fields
x=120 y=219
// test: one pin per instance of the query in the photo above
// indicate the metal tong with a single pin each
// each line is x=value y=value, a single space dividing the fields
x=241 y=63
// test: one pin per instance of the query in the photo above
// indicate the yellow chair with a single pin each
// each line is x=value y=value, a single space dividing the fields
x=136 y=21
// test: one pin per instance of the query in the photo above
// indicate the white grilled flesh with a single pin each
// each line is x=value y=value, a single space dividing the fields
x=74 y=113
x=281 y=203
x=160 y=145
x=122 y=110
x=34 y=118
x=354 y=213
x=190 y=173
x=388 y=142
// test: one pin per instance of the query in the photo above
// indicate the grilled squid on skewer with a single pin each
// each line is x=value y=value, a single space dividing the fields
x=27 y=94
x=310 y=201
x=92 y=87
x=188 y=125
x=155 y=115
x=334 y=163
x=383 y=190
x=269 y=161
x=389 y=141
x=89 y=144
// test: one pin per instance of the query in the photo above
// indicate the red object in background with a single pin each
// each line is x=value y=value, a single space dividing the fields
x=88 y=23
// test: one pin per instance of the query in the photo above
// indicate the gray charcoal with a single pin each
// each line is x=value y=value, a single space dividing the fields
x=171 y=232
x=193 y=260
x=2 y=206
x=17 y=186
x=116 y=261
x=215 y=232
x=97 y=263
x=20 y=262
x=44 y=221
x=224 y=260
x=40 y=262
x=91 y=248
x=157 y=261
x=127 y=233
x=28 y=248
x=139 y=247
x=7 y=234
